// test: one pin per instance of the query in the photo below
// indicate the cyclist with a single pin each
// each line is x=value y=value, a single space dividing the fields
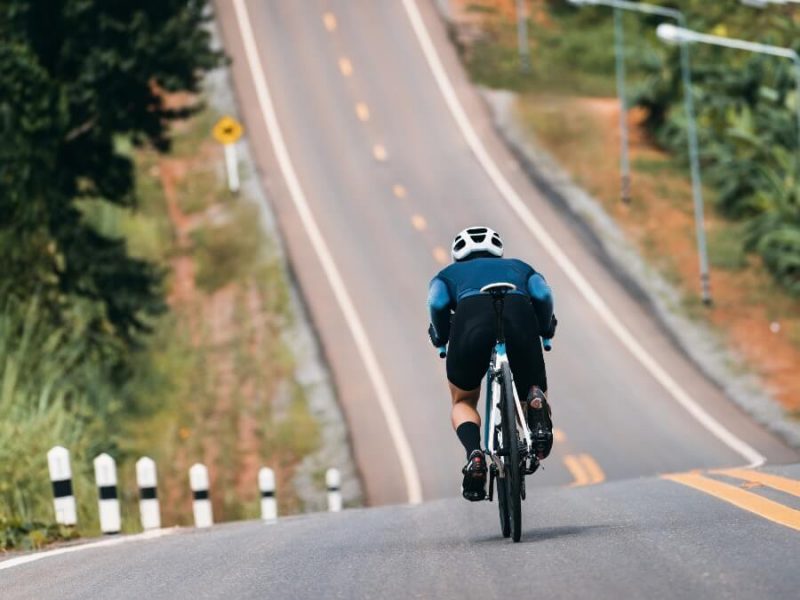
x=461 y=315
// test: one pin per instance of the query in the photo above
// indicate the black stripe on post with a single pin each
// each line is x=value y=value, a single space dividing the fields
x=200 y=494
x=107 y=492
x=62 y=487
x=147 y=493
x=267 y=494
x=333 y=489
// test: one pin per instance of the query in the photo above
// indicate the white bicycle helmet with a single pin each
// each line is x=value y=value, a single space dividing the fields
x=476 y=239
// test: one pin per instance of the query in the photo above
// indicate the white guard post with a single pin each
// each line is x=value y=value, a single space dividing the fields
x=61 y=478
x=333 y=480
x=105 y=476
x=201 y=506
x=266 y=484
x=146 y=480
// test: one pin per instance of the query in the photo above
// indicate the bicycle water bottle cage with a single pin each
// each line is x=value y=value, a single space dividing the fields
x=499 y=289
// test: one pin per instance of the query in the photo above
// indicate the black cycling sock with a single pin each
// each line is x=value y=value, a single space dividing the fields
x=470 y=435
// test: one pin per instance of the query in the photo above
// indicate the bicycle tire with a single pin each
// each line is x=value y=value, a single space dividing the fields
x=501 y=487
x=511 y=458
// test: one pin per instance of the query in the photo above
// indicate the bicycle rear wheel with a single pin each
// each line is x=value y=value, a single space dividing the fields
x=511 y=458
x=501 y=487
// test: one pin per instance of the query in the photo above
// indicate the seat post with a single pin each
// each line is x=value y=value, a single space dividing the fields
x=497 y=301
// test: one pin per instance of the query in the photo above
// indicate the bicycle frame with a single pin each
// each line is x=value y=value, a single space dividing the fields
x=492 y=418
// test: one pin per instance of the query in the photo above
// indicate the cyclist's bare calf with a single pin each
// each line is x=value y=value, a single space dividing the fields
x=465 y=406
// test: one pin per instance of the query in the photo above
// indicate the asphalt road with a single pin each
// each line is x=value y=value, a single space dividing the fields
x=370 y=180
x=389 y=179
x=645 y=538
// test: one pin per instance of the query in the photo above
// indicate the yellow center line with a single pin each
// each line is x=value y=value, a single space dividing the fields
x=345 y=66
x=379 y=152
x=574 y=466
x=362 y=111
x=440 y=255
x=594 y=471
x=584 y=469
x=398 y=190
x=758 y=505
x=329 y=19
x=783 y=484
x=419 y=222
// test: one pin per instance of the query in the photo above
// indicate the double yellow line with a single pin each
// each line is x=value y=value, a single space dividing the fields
x=747 y=500
x=584 y=469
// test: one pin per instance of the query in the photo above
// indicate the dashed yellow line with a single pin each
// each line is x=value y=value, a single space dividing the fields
x=399 y=191
x=379 y=152
x=758 y=505
x=584 y=469
x=345 y=66
x=329 y=19
x=776 y=482
x=362 y=111
x=440 y=255
x=419 y=222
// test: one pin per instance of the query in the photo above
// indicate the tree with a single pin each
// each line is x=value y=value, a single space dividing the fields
x=76 y=78
x=745 y=106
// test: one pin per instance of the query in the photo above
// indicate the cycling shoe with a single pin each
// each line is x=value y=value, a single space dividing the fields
x=540 y=423
x=474 y=486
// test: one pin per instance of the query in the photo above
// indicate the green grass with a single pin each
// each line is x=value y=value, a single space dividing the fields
x=199 y=190
x=53 y=392
x=658 y=166
x=228 y=250
x=725 y=249
x=572 y=53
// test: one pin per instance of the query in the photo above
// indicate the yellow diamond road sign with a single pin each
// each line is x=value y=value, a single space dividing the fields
x=227 y=130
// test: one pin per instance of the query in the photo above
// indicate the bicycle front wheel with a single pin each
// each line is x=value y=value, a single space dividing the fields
x=513 y=470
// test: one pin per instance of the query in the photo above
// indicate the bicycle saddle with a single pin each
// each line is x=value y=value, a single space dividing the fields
x=498 y=289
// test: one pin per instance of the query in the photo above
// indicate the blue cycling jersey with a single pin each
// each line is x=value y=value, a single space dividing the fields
x=466 y=278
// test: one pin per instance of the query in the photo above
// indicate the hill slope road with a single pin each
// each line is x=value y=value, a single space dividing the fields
x=630 y=539
x=369 y=150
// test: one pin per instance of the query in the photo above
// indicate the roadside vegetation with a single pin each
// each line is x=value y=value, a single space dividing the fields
x=748 y=143
x=141 y=306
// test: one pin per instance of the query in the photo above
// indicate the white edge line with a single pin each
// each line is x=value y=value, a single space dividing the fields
x=594 y=299
x=33 y=557
x=385 y=401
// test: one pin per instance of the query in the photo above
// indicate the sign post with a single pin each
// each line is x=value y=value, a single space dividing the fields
x=227 y=131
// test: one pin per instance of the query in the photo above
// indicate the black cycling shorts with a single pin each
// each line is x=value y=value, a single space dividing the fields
x=473 y=336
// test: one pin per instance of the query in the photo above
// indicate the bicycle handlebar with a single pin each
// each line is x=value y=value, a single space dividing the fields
x=547 y=344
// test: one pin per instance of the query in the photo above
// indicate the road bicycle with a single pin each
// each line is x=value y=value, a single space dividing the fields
x=507 y=438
